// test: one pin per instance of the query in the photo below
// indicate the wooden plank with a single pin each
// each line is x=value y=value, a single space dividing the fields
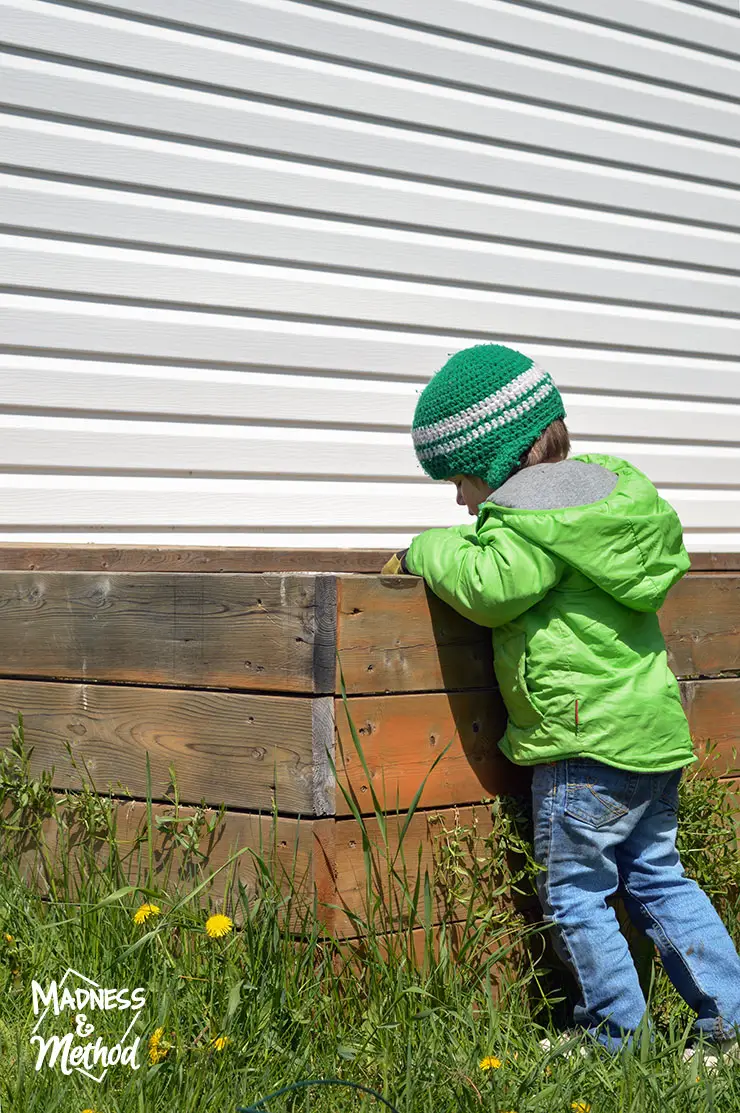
x=700 y=620
x=401 y=735
x=285 y=847
x=255 y=633
x=713 y=710
x=714 y=562
x=394 y=635
x=180 y=558
x=342 y=844
x=245 y=751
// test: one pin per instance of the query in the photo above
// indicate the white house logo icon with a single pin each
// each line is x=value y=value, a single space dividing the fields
x=81 y=998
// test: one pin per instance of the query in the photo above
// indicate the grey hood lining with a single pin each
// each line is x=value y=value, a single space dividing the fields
x=553 y=486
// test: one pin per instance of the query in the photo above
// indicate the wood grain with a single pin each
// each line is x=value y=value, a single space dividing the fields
x=271 y=632
x=176 y=558
x=714 y=562
x=285 y=846
x=700 y=620
x=713 y=710
x=394 y=635
x=245 y=751
x=400 y=737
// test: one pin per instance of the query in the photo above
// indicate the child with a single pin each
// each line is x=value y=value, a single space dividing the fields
x=568 y=562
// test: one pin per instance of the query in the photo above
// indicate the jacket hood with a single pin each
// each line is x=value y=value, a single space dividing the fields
x=629 y=543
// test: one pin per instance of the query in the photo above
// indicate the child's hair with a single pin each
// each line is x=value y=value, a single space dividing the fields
x=550 y=447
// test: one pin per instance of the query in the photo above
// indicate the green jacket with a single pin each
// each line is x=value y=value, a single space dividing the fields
x=571 y=595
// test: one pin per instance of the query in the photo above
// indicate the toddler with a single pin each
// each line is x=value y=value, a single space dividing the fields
x=568 y=562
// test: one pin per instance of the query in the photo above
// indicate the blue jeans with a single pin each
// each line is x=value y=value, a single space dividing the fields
x=597 y=830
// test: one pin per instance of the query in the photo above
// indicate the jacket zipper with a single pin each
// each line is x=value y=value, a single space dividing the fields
x=576 y=716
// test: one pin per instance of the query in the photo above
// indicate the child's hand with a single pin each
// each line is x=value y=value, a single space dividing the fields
x=396 y=565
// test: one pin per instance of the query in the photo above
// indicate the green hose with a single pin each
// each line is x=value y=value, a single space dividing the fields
x=259 y=1106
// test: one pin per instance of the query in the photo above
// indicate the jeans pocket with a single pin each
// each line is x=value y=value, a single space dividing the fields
x=669 y=795
x=597 y=794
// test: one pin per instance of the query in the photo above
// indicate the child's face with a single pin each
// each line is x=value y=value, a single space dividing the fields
x=471 y=491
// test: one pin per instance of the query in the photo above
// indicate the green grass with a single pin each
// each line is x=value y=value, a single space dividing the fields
x=292 y=1010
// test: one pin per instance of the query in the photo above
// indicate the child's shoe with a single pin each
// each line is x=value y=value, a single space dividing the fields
x=712 y=1052
x=565 y=1038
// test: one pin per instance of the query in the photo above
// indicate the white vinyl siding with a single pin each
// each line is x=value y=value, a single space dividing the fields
x=237 y=238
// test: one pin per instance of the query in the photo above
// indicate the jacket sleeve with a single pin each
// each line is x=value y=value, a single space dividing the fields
x=490 y=576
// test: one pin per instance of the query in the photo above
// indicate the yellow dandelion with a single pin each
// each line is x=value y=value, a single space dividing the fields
x=220 y=1042
x=580 y=1107
x=489 y=1063
x=144 y=912
x=10 y=939
x=88 y=1111
x=218 y=925
x=156 y=1052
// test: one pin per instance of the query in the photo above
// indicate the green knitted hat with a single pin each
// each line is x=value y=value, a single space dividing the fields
x=481 y=412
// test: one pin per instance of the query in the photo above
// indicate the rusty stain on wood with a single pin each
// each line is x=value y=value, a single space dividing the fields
x=401 y=735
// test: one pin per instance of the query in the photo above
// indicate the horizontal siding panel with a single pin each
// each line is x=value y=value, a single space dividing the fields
x=143 y=333
x=138 y=446
x=212 y=223
x=720 y=5
x=192 y=57
x=109 y=272
x=130 y=102
x=697 y=27
x=222 y=304
x=175 y=224
x=502 y=24
x=40 y=502
x=383 y=540
x=299 y=400
x=96 y=445
x=64 y=148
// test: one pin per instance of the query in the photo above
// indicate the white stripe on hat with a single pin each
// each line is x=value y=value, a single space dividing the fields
x=499 y=401
x=443 y=448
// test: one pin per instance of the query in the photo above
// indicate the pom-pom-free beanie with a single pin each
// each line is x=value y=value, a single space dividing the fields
x=481 y=412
